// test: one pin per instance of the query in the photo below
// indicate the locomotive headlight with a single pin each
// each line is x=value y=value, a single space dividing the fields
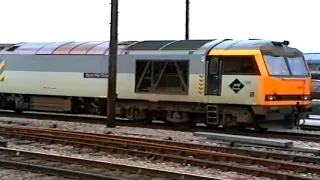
x=305 y=98
x=270 y=98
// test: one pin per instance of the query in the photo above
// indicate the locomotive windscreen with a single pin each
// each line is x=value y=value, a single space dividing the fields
x=286 y=66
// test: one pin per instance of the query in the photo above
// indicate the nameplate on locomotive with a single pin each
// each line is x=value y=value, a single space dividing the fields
x=96 y=75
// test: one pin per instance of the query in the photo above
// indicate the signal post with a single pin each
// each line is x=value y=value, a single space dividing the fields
x=113 y=53
x=187 y=19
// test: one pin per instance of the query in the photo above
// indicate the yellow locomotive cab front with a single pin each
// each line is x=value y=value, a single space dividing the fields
x=285 y=88
x=266 y=85
x=286 y=81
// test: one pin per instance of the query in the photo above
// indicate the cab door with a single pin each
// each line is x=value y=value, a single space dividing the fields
x=213 y=76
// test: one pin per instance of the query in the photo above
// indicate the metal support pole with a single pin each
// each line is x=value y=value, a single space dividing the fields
x=187 y=19
x=113 y=53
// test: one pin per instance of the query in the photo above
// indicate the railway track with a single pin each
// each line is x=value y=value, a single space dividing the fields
x=47 y=164
x=81 y=168
x=227 y=159
x=102 y=120
x=315 y=159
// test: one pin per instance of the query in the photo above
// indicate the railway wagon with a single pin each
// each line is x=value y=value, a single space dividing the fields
x=223 y=82
x=313 y=61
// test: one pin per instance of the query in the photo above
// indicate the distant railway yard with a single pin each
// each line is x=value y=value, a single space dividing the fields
x=69 y=147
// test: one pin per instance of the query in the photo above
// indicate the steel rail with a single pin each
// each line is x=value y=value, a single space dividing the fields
x=239 y=151
x=101 y=120
x=111 y=139
x=86 y=175
x=202 y=158
x=55 y=171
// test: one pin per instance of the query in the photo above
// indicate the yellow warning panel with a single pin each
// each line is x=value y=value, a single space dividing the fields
x=1 y=77
x=2 y=64
x=201 y=84
x=2 y=67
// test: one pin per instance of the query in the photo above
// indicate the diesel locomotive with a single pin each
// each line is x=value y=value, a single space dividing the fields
x=219 y=82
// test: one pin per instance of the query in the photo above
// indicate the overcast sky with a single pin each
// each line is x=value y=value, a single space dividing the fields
x=88 y=20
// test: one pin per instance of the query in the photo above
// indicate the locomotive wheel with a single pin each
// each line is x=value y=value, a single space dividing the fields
x=258 y=128
x=147 y=120
x=138 y=116
x=190 y=122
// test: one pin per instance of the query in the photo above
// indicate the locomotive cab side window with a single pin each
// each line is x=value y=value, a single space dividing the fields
x=240 y=65
x=213 y=76
x=213 y=66
x=314 y=67
x=315 y=76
